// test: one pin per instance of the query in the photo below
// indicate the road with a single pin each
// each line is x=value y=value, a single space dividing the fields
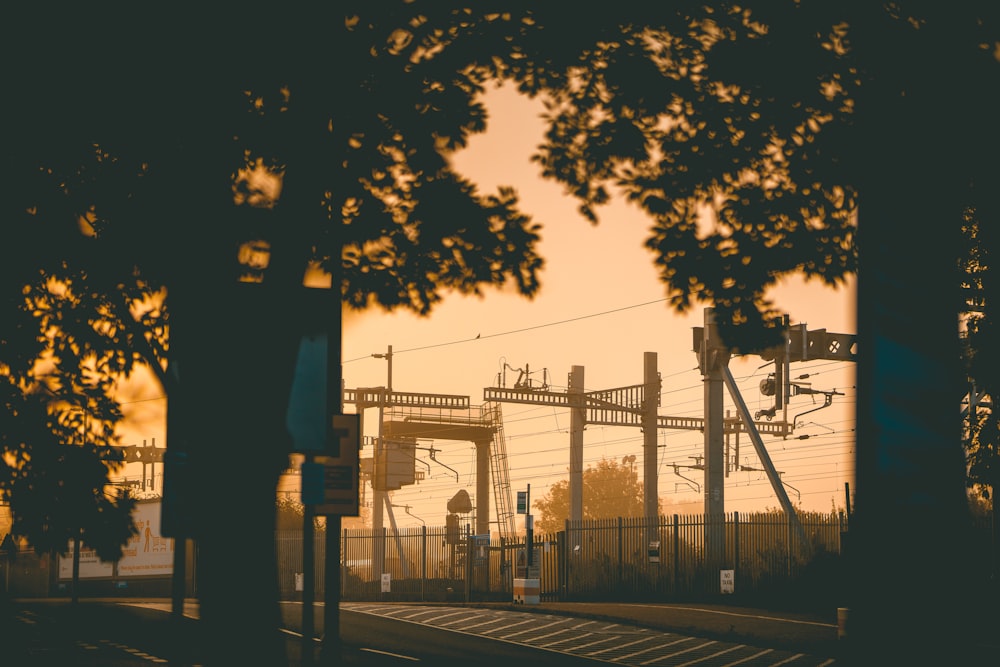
x=596 y=638
x=116 y=633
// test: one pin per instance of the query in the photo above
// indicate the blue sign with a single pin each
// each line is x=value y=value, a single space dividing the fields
x=306 y=416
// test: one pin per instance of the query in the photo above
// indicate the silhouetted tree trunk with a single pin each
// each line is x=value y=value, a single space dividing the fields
x=910 y=529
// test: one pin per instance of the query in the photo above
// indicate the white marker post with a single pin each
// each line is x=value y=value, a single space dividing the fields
x=526 y=587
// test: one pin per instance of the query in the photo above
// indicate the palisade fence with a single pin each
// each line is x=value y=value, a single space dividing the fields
x=624 y=559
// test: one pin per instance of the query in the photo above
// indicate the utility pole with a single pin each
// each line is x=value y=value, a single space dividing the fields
x=529 y=527
x=713 y=358
x=388 y=357
x=380 y=496
x=650 y=402
x=577 y=420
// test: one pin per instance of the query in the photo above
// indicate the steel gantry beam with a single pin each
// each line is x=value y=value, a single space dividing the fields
x=636 y=405
x=433 y=416
x=385 y=398
x=633 y=405
x=370 y=397
x=603 y=411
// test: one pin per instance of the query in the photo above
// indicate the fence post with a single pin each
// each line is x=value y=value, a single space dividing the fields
x=789 y=536
x=381 y=562
x=562 y=576
x=736 y=547
x=503 y=565
x=841 y=526
x=423 y=560
x=677 y=553
x=469 y=552
x=621 y=552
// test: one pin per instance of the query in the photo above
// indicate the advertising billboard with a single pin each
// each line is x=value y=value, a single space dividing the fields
x=147 y=553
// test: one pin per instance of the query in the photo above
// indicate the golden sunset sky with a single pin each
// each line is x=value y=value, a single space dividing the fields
x=602 y=307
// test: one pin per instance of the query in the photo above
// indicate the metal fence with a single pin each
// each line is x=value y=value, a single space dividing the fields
x=614 y=559
x=624 y=558
x=633 y=558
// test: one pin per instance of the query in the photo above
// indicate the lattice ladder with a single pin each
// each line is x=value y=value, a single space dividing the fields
x=501 y=472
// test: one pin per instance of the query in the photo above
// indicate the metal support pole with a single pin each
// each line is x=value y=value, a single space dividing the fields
x=529 y=528
x=713 y=362
x=577 y=420
x=651 y=390
x=379 y=495
x=483 y=487
x=765 y=459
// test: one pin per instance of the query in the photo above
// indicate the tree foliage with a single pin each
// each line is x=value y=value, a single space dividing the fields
x=725 y=124
x=57 y=425
x=610 y=489
x=982 y=362
x=134 y=231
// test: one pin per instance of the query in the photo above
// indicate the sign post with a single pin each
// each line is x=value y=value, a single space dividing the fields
x=8 y=553
x=330 y=475
x=527 y=578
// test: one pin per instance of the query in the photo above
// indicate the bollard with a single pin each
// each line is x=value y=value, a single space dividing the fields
x=842 y=622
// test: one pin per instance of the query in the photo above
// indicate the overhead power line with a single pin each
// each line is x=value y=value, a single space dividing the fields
x=521 y=330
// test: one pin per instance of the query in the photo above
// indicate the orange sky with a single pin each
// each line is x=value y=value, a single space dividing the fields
x=600 y=307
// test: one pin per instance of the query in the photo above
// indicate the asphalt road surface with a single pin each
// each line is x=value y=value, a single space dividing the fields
x=134 y=632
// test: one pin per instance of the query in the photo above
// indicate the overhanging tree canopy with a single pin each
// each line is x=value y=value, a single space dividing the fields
x=776 y=119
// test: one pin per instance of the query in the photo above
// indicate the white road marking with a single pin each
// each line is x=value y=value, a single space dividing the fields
x=711 y=655
x=392 y=655
x=673 y=655
x=748 y=658
x=733 y=613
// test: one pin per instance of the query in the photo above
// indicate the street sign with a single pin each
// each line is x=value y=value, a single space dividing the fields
x=341 y=468
x=727 y=581
x=522 y=502
x=305 y=416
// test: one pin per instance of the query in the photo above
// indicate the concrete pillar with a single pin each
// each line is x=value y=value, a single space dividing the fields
x=483 y=487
